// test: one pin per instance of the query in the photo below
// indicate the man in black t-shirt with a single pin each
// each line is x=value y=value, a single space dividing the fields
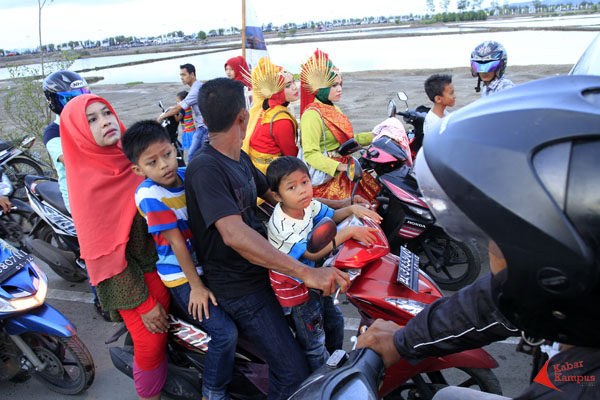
x=221 y=186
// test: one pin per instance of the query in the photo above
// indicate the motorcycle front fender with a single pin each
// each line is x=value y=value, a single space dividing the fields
x=44 y=319
x=403 y=371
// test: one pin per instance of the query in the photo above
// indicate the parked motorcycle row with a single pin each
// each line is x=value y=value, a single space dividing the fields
x=394 y=279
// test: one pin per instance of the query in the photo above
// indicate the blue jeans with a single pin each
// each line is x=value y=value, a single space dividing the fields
x=334 y=324
x=197 y=140
x=260 y=319
x=218 y=364
x=319 y=326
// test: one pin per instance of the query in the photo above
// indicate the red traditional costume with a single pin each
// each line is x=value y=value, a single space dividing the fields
x=272 y=129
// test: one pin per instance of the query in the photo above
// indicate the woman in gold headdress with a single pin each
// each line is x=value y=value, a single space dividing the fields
x=272 y=130
x=324 y=128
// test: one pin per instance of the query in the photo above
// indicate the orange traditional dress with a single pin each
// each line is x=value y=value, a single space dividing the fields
x=324 y=128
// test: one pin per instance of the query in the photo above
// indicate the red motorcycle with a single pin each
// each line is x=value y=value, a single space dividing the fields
x=391 y=287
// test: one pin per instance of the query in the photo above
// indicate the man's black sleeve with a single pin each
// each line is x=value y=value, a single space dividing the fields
x=467 y=320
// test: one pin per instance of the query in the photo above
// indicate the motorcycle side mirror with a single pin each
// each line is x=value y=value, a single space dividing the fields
x=160 y=104
x=27 y=142
x=354 y=171
x=391 y=109
x=322 y=234
x=403 y=97
x=349 y=147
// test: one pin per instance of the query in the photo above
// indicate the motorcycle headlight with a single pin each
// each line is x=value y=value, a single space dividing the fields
x=25 y=303
x=421 y=212
x=410 y=306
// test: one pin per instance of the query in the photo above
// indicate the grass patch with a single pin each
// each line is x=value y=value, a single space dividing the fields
x=134 y=83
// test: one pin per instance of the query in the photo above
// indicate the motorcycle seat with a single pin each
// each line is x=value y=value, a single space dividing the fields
x=50 y=192
x=5 y=146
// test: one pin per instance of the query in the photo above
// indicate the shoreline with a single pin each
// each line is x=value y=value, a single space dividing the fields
x=211 y=45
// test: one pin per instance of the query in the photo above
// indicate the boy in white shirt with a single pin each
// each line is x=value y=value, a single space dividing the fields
x=440 y=90
x=319 y=324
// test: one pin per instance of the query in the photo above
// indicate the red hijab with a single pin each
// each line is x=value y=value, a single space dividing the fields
x=101 y=189
x=240 y=67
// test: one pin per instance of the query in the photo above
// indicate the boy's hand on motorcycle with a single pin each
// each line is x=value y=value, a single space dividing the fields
x=326 y=279
x=156 y=320
x=5 y=204
x=362 y=212
x=199 y=303
x=380 y=338
x=365 y=234
x=360 y=201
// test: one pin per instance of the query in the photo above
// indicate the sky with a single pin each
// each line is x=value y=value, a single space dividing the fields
x=66 y=20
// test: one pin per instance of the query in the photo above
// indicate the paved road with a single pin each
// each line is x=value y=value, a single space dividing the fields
x=75 y=301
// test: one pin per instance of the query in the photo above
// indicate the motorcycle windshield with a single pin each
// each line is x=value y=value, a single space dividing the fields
x=354 y=254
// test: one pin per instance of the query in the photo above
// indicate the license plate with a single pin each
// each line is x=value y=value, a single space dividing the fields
x=11 y=265
x=408 y=270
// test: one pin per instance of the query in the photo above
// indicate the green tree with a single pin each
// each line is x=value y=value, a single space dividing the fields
x=221 y=30
x=462 y=4
x=25 y=105
x=41 y=4
x=444 y=4
x=431 y=5
x=292 y=31
x=202 y=35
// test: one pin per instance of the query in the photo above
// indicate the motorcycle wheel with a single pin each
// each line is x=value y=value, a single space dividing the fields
x=15 y=226
x=48 y=235
x=18 y=167
x=69 y=365
x=481 y=379
x=461 y=263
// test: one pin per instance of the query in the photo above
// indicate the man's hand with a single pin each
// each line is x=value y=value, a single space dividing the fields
x=160 y=118
x=156 y=320
x=326 y=279
x=361 y=211
x=5 y=204
x=380 y=338
x=199 y=302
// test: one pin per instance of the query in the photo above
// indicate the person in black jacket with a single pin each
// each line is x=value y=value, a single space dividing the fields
x=519 y=172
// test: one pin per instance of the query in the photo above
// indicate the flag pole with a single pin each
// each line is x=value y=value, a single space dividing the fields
x=244 y=29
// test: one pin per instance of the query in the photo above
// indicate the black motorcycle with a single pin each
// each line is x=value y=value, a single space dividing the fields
x=172 y=127
x=16 y=224
x=52 y=237
x=17 y=164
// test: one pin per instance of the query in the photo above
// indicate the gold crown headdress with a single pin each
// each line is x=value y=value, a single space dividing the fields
x=318 y=72
x=267 y=79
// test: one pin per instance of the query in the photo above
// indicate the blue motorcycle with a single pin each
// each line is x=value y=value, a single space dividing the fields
x=36 y=339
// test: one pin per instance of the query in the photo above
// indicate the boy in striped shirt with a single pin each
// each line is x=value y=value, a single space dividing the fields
x=161 y=200
x=319 y=324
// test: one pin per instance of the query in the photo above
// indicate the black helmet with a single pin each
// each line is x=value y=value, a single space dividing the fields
x=520 y=170
x=62 y=86
x=487 y=57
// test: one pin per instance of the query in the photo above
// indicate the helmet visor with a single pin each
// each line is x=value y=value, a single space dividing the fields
x=449 y=216
x=485 y=66
x=64 y=97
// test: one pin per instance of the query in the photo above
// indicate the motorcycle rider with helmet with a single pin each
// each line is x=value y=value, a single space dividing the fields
x=536 y=206
x=60 y=87
x=488 y=63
